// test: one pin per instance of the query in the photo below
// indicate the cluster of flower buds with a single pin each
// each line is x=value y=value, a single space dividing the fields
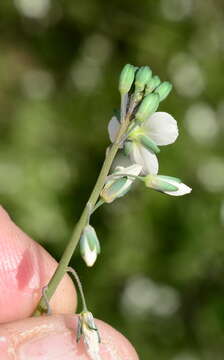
x=148 y=129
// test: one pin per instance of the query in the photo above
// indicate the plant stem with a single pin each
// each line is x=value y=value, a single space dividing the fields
x=71 y=246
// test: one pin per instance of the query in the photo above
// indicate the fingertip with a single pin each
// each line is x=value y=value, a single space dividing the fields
x=51 y=337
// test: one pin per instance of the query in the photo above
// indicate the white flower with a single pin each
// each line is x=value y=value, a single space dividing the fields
x=89 y=331
x=167 y=184
x=120 y=183
x=161 y=128
x=89 y=245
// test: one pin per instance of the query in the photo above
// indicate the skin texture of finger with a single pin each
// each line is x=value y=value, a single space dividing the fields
x=54 y=337
x=25 y=267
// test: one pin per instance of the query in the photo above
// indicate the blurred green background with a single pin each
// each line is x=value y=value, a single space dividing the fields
x=160 y=277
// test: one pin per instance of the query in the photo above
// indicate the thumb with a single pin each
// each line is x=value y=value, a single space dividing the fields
x=54 y=337
x=25 y=268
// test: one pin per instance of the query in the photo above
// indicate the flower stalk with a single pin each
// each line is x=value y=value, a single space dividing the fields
x=73 y=242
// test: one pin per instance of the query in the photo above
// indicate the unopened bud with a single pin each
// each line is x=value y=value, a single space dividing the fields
x=142 y=77
x=89 y=245
x=163 y=90
x=126 y=78
x=152 y=84
x=167 y=184
x=147 y=107
x=119 y=186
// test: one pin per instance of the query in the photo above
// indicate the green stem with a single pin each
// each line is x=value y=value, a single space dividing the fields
x=72 y=244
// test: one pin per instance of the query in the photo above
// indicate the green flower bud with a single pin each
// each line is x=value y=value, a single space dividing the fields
x=163 y=90
x=152 y=84
x=126 y=78
x=89 y=245
x=148 y=143
x=142 y=77
x=147 y=107
x=167 y=184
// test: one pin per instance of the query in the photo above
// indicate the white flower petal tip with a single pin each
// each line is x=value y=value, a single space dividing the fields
x=147 y=159
x=162 y=128
x=182 y=190
x=91 y=338
x=113 y=128
x=167 y=184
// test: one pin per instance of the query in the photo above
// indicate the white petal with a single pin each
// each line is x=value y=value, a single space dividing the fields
x=144 y=157
x=90 y=255
x=162 y=128
x=113 y=128
x=134 y=169
x=182 y=189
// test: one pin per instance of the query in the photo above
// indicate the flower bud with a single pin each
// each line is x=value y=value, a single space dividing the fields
x=126 y=78
x=119 y=186
x=167 y=184
x=147 y=107
x=152 y=84
x=89 y=245
x=143 y=75
x=88 y=330
x=163 y=90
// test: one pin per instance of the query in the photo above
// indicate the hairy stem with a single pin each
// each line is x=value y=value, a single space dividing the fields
x=72 y=244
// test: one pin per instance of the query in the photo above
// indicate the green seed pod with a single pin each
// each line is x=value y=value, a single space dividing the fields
x=147 y=107
x=148 y=143
x=152 y=84
x=142 y=77
x=163 y=90
x=126 y=78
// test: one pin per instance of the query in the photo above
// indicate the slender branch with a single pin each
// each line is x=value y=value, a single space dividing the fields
x=72 y=244
x=79 y=284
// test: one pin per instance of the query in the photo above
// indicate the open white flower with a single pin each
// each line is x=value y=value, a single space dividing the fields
x=160 y=129
x=167 y=184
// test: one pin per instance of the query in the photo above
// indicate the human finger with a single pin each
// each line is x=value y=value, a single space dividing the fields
x=54 y=337
x=25 y=268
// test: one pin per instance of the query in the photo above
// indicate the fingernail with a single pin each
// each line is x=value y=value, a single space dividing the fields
x=58 y=346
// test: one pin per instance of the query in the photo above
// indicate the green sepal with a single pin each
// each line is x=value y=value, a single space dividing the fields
x=127 y=147
x=89 y=235
x=126 y=78
x=163 y=90
x=148 y=143
x=79 y=330
x=116 y=186
x=147 y=107
x=164 y=177
x=81 y=244
x=152 y=84
x=164 y=186
x=142 y=77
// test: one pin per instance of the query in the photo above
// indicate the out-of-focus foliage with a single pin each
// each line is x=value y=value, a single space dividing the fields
x=159 y=278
